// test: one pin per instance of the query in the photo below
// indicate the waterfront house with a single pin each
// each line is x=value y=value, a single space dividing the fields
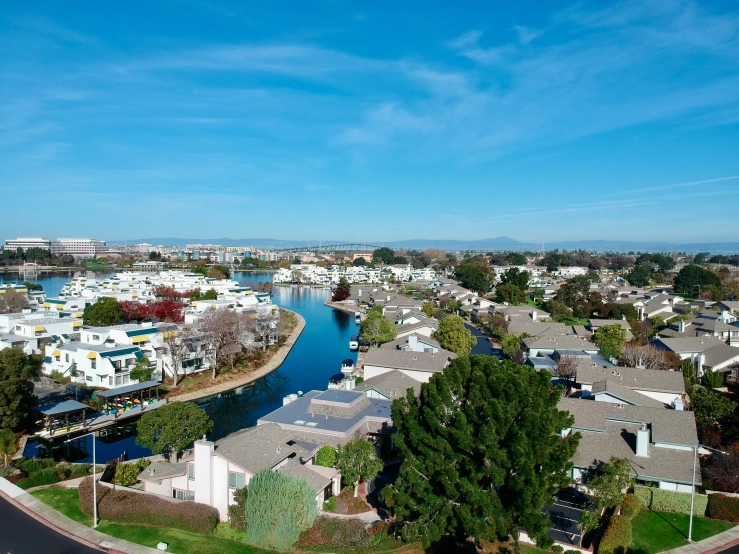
x=389 y=386
x=418 y=365
x=213 y=472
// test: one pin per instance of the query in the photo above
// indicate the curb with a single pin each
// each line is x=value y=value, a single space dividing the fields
x=723 y=547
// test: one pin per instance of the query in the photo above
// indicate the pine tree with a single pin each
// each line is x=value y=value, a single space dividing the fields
x=17 y=373
x=454 y=336
x=278 y=508
x=481 y=452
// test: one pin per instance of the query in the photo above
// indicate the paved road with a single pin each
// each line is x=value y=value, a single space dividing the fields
x=22 y=534
x=483 y=345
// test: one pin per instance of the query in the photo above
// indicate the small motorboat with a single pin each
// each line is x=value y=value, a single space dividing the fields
x=347 y=366
x=358 y=317
x=354 y=342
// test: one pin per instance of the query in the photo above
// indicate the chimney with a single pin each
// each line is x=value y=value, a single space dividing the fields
x=533 y=315
x=204 y=471
x=642 y=441
x=678 y=404
x=701 y=364
x=412 y=342
x=681 y=326
x=359 y=293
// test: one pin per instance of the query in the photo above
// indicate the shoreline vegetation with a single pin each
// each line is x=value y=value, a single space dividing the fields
x=260 y=363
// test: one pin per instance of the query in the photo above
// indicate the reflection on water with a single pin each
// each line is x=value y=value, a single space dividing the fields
x=241 y=407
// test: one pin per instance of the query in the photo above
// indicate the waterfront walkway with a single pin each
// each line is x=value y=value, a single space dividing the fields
x=271 y=365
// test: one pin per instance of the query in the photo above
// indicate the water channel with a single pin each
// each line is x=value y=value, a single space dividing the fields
x=316 y=356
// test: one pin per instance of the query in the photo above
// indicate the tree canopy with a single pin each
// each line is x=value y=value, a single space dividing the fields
x=474 y=276
x=610 y=339
x=608 y=485
x=106 y=311
x=454 y=336
x=640 y=276
x=172 y=427
x=358 y=461
x=384 y=255
x=481 y=452
x=517 y=278
x=17 y=374
x=711 y=408
x=342 y=291
x=691 y=277
x=376 y=328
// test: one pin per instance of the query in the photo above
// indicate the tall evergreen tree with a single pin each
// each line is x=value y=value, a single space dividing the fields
x=278 y=508
x=17 y=374
x=481 y=452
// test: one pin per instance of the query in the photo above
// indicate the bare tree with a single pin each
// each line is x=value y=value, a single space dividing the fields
x=645 y=357
x=221 y=333
x=566 y=368
x=12 y=301
x=178 y=343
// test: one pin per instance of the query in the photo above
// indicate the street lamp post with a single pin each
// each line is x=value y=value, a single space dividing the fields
x=692 y=494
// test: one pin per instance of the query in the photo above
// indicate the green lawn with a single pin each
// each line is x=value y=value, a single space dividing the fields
x=529 y=549
x=66 y=502
x=658 y=531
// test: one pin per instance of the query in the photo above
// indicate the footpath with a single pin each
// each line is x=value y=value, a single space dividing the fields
x=62 y=524
x=716 y=543
x=273 y=363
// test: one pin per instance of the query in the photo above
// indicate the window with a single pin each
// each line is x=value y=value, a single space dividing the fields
x=66 y=357
x=88 y=378
x=93 y=364
x=95 y=337
x=183 y=495
x=191 y=472
x=235 y=480
x=17 y=327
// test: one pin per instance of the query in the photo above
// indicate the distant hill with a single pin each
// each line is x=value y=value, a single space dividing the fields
x=491 y=244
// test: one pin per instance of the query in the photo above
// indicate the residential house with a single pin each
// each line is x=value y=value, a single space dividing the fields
x=704 y=351
x=666 y=387
x=414 y=343
x=658 y=443
x=389 y=386
x=418 y=365
x=215 y=470
x=547 y=344
x=594 y=324
x=426 y=328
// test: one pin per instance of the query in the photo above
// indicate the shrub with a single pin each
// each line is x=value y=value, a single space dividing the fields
x=279 y=507
x=334 y=532
x=237 y=512
x=226 y=531
x=127 y=474
x=631 y=506
x=330 y=505
x=661 y=500
x=47 y=476
x=644 y=494
x=617 y=535
x=32 y=465
x=557 y=549
x=124 y=506
x=723 y=507
x=80 y=470
x=326 y=456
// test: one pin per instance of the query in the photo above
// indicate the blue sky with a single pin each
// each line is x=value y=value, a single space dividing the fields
x=372 y=121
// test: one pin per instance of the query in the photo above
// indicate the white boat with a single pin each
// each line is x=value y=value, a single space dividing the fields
x=358 y=317
x=354 y=342
x=347 y=366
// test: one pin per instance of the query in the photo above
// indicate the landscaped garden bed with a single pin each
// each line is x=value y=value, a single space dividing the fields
x=348 y=504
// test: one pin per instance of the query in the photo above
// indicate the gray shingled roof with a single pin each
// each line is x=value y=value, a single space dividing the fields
x=316 y=479
x=633 y=378
x=392 y=384
x=689 y=344
x=720 y=354
x=625 y=394
x=404 y=359
x=163 y=470
x=559 y=342
x=431 y=323
x=403 y=341
x=538 y=328
x=261 y=447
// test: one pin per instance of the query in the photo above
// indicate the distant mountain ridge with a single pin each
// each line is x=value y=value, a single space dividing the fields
x=490 y=244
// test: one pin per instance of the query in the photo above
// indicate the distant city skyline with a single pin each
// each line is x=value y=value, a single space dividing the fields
x=545 y=121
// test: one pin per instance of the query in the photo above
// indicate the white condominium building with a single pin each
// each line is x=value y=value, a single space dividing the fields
x=79 y=248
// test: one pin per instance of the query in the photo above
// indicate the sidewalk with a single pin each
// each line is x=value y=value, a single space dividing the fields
x=716 y=543
x=61 y=523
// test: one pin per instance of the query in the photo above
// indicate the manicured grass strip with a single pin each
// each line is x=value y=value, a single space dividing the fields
x=66 y=501
x=658 y=531
x=529 y=549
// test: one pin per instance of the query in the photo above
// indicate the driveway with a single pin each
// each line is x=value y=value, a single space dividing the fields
x=22 y=534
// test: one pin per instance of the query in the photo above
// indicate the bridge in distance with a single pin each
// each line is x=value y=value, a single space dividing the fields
x=328 y=248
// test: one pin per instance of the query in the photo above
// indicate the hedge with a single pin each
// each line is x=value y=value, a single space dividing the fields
x=631 y=506
x=723 y=507
x=122 y=506
x=47 y=476
x=661 y=500
x=32 y=465
x=617 y=535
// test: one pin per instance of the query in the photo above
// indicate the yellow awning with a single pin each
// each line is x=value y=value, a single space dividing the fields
x=39 y=329
x=92 y=355
x=169 y=334
x=60 y=306
x=76 y=324
x=47 y=305
x=137 y=340
x=56 y=353
x=78 y=314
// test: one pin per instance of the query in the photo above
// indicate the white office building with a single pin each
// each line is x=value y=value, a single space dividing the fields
x=26 y=243
x=79 y=248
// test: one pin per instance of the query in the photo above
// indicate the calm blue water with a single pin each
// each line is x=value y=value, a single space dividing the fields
x=317 y=355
